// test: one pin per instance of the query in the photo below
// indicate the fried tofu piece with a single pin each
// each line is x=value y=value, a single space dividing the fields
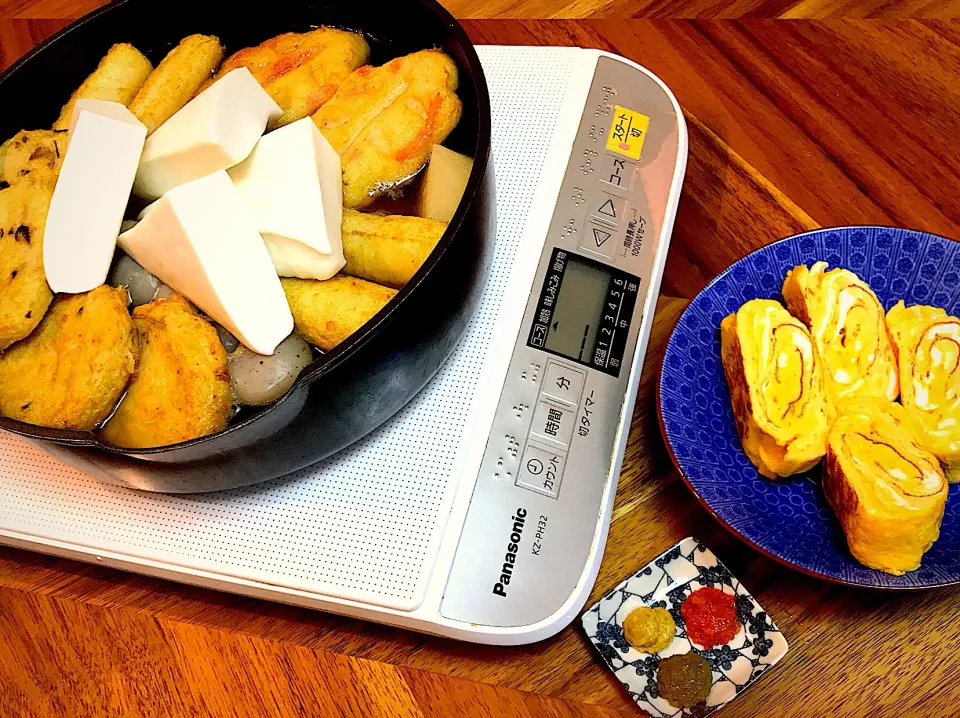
x=301 y=71
x=385 y=120
x=24 y=294
x=387 y=249
x=70 y=372
x=176 y=79
x=121 y=72
x=33 y=152
x=327 y=312
x=181 y=389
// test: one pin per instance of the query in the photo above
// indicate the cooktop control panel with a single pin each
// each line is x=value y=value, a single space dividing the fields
x=551 y=451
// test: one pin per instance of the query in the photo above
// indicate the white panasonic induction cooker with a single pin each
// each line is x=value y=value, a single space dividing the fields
x=480 y=511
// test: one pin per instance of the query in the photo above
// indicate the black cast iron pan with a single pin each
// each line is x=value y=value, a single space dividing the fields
x=365 y=380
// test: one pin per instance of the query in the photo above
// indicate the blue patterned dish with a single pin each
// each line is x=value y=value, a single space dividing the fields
x=666 y=582
x=789 y=519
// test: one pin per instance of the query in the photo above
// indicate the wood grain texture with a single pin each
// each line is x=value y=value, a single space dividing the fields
x=792 y=125
x=679 y=9
x=133 y=663
x=576 y=9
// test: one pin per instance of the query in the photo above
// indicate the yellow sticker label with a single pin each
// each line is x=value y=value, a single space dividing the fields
x=627 y=132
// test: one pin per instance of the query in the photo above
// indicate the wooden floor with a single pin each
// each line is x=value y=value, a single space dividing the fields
x=792 y=126
x=573 y=9
x=702 y=8
x=24 y=23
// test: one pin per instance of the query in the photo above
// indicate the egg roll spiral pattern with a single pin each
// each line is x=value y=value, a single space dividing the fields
x=776 y=384
x=888 y=492
x=791 y=519
x=848 y=326
x=927 y=342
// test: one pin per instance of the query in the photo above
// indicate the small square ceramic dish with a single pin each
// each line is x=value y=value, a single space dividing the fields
x=688 y=569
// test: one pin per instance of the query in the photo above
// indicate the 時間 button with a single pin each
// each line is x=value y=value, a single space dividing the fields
x=541 y=470
x=552 y=423
x=563 y=383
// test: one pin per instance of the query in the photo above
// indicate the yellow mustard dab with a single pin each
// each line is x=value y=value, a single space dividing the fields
x=649 y=630
x=848 y=326
x=887 y=490
x=776 y=386
x=927 y=341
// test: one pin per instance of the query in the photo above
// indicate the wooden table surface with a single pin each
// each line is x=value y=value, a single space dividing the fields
x=792 y=125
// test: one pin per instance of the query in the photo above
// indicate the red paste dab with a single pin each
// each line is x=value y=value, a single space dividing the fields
x=710 y=616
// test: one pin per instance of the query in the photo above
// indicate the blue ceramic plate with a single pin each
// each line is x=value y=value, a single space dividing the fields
x=789 y=519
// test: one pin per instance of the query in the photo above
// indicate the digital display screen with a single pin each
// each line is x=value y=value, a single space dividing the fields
x=580 y=305
x=584 y=311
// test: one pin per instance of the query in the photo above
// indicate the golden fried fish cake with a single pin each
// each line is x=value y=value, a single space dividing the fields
x=327 y=312
x=301 y=71
x=69 y=373
x=117 y=78
x=181 y=389
x=176 y=79
x=33 y=152
x=384 y=121
x=24 y=294
x=361 y=97
x=387 y=249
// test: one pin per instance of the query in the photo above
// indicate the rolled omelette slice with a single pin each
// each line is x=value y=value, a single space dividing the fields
x=927 y=342
x=887 y=490
x=776 y=386
x=848 y=326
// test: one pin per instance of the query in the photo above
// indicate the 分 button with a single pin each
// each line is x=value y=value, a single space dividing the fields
x=553 y=424
x=541 y=470
x=599 y=240
x=607 y=208
x=563 y=383
x=617 y=171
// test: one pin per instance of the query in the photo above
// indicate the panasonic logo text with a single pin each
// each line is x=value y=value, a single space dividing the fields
x=510 y=557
